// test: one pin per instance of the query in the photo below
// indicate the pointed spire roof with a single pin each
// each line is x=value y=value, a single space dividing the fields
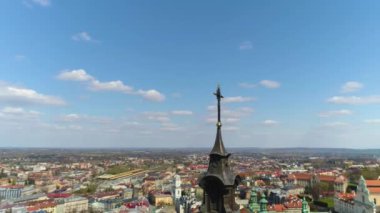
x=218 y=148
x=305 y=206
x=253 y=204
x=263 y=204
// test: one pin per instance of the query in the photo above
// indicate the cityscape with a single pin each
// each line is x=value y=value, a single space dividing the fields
x=189 y=107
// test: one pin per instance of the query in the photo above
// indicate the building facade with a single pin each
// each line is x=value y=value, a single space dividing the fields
x=10 y=192
x=363 y=201
x=338 y=183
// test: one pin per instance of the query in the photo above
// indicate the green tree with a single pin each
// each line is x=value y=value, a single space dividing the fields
x=307 y=190
x=324 y=187
x=370 y=173
x=2 y=174
x=116 y=169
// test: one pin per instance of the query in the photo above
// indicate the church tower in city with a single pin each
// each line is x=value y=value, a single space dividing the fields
x=219 y=183
x=177 y=187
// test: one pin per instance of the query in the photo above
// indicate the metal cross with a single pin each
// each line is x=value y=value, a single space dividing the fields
x=218 y=97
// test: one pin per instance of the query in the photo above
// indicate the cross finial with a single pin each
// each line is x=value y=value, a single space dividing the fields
x=218 y=97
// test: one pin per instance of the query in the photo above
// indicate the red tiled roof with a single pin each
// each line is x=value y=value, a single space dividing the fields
x=34 y=206
x=12 y=186
x=327 y=178
x=346 y=196
x=277 y=208
x=370 y=183
x=293 y=204
x=302 y=176
x=244 y=210
x=374 y=189
x=58 y=195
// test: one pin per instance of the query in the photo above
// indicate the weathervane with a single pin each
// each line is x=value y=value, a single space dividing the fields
x=218 y=97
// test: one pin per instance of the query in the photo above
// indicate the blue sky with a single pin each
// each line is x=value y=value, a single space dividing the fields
x=141 y=73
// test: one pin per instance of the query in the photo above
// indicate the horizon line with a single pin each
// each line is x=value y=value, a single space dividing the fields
x=184 y=147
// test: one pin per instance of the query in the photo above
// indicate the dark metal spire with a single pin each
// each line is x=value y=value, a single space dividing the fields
x=218 y=146
x=219 y=97
x=219 y=183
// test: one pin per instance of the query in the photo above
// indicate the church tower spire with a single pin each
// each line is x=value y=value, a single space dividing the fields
x=253 y=202
x=263 y=204
x=218 y=182
x=305 y=206
x=218 y=145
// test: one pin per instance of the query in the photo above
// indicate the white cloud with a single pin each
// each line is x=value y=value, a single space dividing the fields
x=335 y=112
x=13 y=94
x=245 y=109
x=181 y=112
x=18 y=111
x=116 y=86
x=226 y=120
x=170 y=127
x=155 y=113
x=71 y=117
x=351 y=86
x=233 y=113
x=270 y=84
x=152 y=95
x=75 y=127
x=43 y=3
x=211 y=108
x=211 y=120
x=75 y=75
x=231 y=120
x=237 y=99
x=88 y=119
x=20 y=57
x=231 y=128
x=270 y=122
x=372 y=121
x=228 y=115
x=17 y=117
x=336 y=124
x=354 y=100
x=82 y=36
x=132 y=124
x=161 y=117
x=13 y=110
x=247 y=85
x=246 y=45
x=146 y=132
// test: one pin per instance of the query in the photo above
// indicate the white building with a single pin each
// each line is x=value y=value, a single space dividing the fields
x=177 y=189
x=177 y=193
x=360 y=202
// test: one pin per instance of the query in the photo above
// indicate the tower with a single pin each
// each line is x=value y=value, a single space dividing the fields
x=263 y=204
x=305 y=206
x=219 y=183
x=253 y=204
x=177 y=194
x=177 y=189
